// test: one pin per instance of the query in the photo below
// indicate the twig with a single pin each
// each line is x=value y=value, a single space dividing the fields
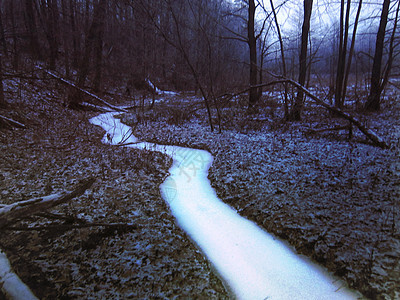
x=10 y=122
x=70 y=226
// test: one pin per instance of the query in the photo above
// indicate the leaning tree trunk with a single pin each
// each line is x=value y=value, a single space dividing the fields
x=373 y=102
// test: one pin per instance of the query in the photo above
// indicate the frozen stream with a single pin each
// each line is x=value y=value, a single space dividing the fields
x=253 y=263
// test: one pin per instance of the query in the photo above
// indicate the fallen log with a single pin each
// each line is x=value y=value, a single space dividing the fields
x=9 y=214
x=371 y=135
x=348 y=127
x=65 y=81
x=375 y=139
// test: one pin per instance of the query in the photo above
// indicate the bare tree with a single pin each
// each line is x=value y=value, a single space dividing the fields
x=252 y=42
x=374 y=98
x=2 y=34
x=353 y=41
x=343 y=36
x=49 y=15
x=295 y=113
x=283 y=59
x=32 y=29
x=92 y=40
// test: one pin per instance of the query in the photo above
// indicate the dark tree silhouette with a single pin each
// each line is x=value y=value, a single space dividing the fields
x=252 y=42
x=374 y=99
x=295 y=113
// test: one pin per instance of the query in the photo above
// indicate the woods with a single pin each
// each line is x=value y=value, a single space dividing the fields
x=297 y=101
x=127 y=42
x=208 y=47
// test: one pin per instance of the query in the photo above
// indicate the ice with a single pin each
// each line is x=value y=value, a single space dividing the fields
x=253 y=263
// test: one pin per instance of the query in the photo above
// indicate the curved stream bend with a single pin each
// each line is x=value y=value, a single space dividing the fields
x=252 y=262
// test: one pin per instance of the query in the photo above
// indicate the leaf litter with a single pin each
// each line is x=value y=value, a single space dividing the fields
x=153 y=260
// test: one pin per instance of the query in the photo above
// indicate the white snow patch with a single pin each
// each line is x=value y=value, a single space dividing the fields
x=252 y=262
x=11 y=285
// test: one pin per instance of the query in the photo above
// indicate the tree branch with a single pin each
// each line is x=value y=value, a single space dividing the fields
x=85 y=92
x=375 y=139
x=13 y=212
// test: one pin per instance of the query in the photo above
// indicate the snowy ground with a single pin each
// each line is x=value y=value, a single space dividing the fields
x=335 y=201
x=253 y=263
x=154 y=260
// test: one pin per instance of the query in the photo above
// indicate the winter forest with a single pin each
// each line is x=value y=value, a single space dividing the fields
x=210 y=149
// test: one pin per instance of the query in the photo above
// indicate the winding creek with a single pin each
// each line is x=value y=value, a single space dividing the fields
x=252 y=263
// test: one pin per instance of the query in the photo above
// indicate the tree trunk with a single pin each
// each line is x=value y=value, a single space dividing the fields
x=3 y=102
x=353 y=41
x=66 y=33
x=32 y=29
x=295 y=113
x=2 y=35
x=98 y=47
x=15 y=59
x=75 y=39
x=283 y=59
x=373 y=102
x=252 y=42
x=49 y=20
x=342 y=53
x=90 y=41
x=391 y=50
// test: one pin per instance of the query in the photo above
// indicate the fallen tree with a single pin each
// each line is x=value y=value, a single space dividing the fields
x=372 y=136
x=67 y=82
x=11 y=213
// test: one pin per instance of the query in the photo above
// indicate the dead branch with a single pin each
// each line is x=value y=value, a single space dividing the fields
x=378 y=141
x=348 y=127
x=18 y=210
x=116 y=108
x=375 y=139
x=10 y=123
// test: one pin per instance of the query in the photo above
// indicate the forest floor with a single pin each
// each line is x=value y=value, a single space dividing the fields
x=59 y=147
x=335 y=200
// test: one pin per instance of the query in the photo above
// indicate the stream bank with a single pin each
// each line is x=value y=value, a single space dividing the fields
x=333 y=200
x=58 y=148
x=253 y=263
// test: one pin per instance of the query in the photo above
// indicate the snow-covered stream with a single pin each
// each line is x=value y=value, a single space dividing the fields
x=253 y=263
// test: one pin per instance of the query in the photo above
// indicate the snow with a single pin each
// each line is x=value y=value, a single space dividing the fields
x=253 y=263
x=10 y=283
x=158 y=91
